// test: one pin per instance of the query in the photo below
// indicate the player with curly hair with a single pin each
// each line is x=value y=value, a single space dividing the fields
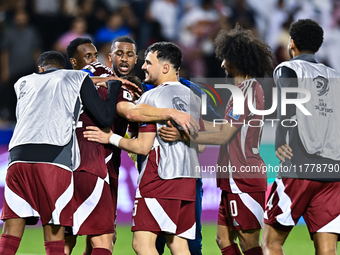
x=245 y=58
x=309 y=192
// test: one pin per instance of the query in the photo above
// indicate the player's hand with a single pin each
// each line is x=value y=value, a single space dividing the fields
x=95 y=134
x=102 y=84
x=186 y=121
x=284 y=152
x=131 y=87
x=171 y=133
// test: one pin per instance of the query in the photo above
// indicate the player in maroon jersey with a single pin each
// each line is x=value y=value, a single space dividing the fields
x=243 y=194
x=162 y=205
x=311 y=189
x=93 y=167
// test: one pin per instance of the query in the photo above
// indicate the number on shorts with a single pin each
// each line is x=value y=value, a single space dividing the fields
x=135 y=208
x=233 y=208
x=270 y=202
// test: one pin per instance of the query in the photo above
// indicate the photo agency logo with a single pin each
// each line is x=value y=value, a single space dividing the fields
x=242 y=98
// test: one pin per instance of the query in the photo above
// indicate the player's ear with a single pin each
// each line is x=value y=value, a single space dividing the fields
x=110 y=57
x=292 y=44
x=40 y=69
x=166 y=68
x=136 y=59
x=73 y=62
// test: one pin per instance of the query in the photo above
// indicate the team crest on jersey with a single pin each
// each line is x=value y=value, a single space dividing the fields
x=127 y=95
x=179 y=104
x=22 y=84
x=90 y=68
x=321 y=85
x=234 y=116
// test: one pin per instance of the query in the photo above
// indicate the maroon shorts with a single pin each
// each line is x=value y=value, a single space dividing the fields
x=164 y=216
x=242 y=211
x=318 y=202
x=36 y=190
x=94 y=214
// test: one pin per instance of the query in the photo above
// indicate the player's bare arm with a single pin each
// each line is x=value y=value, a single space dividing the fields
x=215 y=137
x=172 y=134
x=141 y=145
x=147 y=113
x=283 y=152
x=133 y=88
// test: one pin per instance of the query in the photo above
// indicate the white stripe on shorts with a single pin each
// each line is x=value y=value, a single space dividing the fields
x=161 y=217
x=61 y=202
x=18 y=205
x=285 y=218
x=190 y=233
x=331 y=227
x=253 y=206
x=85 y=209
x=107 y=159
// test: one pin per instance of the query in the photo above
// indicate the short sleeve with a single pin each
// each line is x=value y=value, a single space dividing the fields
x=149 y=127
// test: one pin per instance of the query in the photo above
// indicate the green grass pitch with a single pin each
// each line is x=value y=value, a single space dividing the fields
x=297 y=243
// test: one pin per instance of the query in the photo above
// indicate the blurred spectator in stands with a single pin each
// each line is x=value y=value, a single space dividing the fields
x=280 y=43
x=166 y=13
x=198 y=28
x=243 y=14
x=329 y=53
x=114 y=27
x=278 y=15
x=51 y=20
x=143 y=30
x=96 y=14
x=17 y=59
x=78 y=29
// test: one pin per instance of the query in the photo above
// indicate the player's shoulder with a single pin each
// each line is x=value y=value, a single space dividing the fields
x=285 y=70
x=98 y=69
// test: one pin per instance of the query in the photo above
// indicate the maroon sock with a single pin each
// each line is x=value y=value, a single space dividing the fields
x=231 y=250
x=254 y=251
x=100 y=251
x=54 y=247
x=9 y=244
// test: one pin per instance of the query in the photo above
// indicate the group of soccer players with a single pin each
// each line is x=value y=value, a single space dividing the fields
x=65 y=150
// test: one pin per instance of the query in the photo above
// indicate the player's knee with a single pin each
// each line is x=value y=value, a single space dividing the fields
x=249 y=239
x=140 y=247
x=222 y=241
x=325 y=250
x=178 y=248
x=270 y=245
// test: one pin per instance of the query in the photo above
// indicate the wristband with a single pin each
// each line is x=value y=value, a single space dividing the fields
x=114 y=139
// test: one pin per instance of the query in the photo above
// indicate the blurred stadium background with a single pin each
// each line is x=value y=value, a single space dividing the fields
x=29 y=27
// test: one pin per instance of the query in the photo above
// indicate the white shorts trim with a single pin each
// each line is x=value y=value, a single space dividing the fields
x=18 y=205
x=61 y=202
x=161 y=217
x=253 y=206
x=86 y=208
x=285 y=218
x=331 y=227
x=190 y=233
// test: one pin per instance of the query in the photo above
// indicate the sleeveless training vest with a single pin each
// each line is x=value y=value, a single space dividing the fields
x=319 y=132
x=46 y=109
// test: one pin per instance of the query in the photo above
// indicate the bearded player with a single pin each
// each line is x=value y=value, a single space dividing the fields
x=80 y=51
